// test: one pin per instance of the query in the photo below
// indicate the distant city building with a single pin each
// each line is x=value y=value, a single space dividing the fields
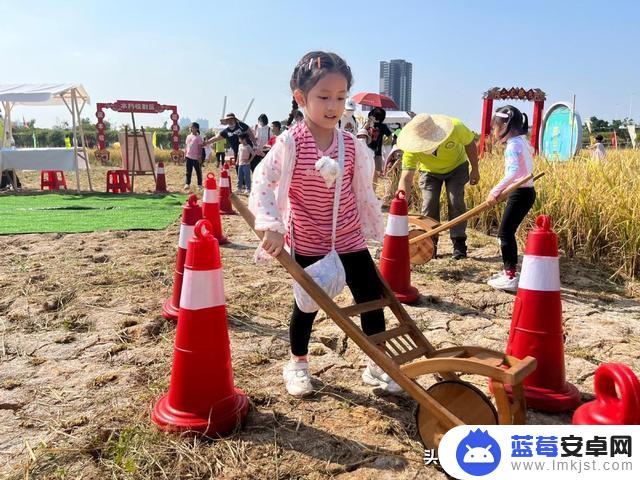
x=395 y=82
x=203 y=122
x=184 y=122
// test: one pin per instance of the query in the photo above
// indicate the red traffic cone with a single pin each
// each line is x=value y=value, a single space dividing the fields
x=617 y=398
x=211 y=207
x=225 y=192
x=161 y=182
x=394 y=261
x=536 y=325
x=202 y=397
x=191 y=213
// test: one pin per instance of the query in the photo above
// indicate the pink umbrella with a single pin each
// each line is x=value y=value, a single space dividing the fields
x=374 y=100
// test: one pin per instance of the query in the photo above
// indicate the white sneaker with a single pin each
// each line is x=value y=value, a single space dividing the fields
x=298 y=381
x=187 y=187
x=502 y=281
x=376 y=377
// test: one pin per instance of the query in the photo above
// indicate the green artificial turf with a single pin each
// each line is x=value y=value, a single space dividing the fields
x=51 y=212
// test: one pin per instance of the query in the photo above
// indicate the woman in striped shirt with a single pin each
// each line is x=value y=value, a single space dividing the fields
x=290 y=194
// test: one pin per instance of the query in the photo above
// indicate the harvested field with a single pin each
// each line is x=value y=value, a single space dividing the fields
x=85 y=353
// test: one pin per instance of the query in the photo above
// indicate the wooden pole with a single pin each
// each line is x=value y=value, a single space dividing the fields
x=146 y=145
x=136 y=151
x=474 y=211
x=126 y=149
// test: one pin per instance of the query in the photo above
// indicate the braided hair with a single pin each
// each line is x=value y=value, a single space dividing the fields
x=311 y=68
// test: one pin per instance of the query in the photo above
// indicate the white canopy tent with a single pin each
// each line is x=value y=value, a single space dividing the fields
x=71 y=95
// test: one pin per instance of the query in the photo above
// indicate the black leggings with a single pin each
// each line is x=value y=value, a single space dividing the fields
x=190 y=165
x=519 y=203
x=219 y=158
x=365 y=286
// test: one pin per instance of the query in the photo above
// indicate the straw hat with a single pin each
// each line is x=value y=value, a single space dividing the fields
x=424 y=133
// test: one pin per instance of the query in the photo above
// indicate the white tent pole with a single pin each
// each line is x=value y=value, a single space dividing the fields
x=224 y=106
x=75 y=137
x=7 y=115
x=248 y=108
x=82 y=141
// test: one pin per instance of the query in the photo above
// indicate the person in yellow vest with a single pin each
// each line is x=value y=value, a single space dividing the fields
x=220 y=147
x=444 y=151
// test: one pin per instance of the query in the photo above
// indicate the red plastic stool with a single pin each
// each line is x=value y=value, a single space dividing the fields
x=52 y=181
x=118 y=181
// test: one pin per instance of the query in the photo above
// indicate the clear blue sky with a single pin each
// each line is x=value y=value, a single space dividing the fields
x=193 y=54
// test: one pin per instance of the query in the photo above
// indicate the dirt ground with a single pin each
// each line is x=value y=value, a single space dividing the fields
x=85 y=353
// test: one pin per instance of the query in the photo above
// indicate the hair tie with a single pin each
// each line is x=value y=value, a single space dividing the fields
x=310 y=63
x=501 y=115
x=319 y=64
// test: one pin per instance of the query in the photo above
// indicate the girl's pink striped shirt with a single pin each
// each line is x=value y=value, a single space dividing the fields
x=312 y=202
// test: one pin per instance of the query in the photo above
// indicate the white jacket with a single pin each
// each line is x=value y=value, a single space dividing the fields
x=271 y=180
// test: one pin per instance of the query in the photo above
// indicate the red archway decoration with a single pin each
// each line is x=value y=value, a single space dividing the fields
x=137 y=106
x=534 y=95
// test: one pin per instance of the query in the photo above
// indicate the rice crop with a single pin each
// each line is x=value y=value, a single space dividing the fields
x=595 y=206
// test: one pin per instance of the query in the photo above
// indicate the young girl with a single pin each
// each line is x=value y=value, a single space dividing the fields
x=510 y=126
x=245 y=155
x=290 y=195
x=262 y=133
x=193 y=156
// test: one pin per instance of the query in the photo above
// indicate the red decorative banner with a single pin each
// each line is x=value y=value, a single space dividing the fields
x=137 y=106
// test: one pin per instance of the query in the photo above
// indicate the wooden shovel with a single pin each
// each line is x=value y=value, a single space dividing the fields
x=421 y=244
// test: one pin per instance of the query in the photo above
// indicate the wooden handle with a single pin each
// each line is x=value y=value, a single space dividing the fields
x=474 y=211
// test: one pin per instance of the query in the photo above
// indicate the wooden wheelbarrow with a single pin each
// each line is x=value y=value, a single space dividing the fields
x=405 y=354
x=421 y=246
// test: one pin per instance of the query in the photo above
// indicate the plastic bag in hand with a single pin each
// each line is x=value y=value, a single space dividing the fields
x=329 y=274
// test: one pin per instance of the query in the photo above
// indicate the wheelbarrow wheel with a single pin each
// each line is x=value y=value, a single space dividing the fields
x=422 y=251
x=462 y=399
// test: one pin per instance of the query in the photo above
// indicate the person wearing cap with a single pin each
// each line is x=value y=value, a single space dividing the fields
x=234 y=128
x=348 y=121
x=443 y=149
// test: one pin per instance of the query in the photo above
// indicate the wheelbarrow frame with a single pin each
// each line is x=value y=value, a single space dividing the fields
x=405 y=354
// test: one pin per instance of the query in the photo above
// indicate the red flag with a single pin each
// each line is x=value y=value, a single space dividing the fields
x=614 y=140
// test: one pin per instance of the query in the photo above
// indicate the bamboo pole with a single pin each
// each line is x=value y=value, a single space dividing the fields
x=474 y=211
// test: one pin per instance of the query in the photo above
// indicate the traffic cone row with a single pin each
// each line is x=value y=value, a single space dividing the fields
x=536 y=325
x=191 y=213
x=394 y=261
x=202 y=397
x=211 y=207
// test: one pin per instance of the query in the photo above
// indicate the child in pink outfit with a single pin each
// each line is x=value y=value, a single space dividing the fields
x=292 y=193
x=510 y=126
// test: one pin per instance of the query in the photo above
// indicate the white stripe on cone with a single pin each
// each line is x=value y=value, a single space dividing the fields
x=202 y=289
x=186 y=234
x=224 y=182
x=211 y=196
x=397 y=225
x=540 y=273
x=160 y=170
